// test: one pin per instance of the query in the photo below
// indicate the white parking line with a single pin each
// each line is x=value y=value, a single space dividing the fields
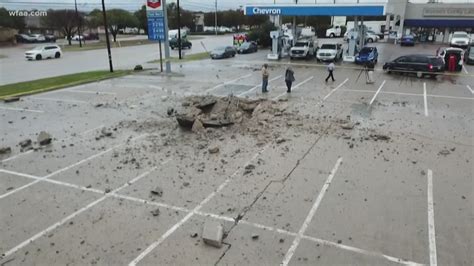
x=227 y=82
x=295 y=87
x=259 y=85
x=470 y=89
x=332 y=91
x=411 y=94
x=431 y=224
x=377 y=92
x=189 y=215
x=57 y=100
x=74 y=214
x=425 y=99
x=312 y=212
x=21 y=109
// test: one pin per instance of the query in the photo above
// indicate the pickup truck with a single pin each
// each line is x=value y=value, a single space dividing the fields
x=304 y=48
x=333 y=32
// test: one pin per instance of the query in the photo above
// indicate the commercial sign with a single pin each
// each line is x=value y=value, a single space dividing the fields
x=316 y=10
x=156 y=20
x=448 y=12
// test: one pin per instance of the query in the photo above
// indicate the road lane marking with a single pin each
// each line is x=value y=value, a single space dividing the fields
x=470 y=89
x=227 y=82
x=377 y=92
x=295 y=87
x=58 y=100
x=65 y=169
x=431 y=223
x=333 y=90
x=259 y=85
x=425 y=100
x=411 y=94
x=312 y=212
x=21 y=109
x=190 y=214
x=74 y=214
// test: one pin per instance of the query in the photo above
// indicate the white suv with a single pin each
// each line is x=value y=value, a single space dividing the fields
x=460 y=39
x=329 y=52
x=42 y=52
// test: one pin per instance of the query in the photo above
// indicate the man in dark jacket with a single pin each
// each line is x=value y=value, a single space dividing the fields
x=289 y=78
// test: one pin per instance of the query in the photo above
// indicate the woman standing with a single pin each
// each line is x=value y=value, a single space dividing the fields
x=289 y=78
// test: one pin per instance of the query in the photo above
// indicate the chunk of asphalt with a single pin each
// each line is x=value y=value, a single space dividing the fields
x=44 y=138
x=158 y=191
x=255 y=236
x=214 y=149
x=25 y=143
x=5 y=150
x=155 y=212
x=11 y=99
x=212 y=233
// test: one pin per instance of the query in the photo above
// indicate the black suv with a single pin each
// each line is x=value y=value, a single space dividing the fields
x=418 y=64
x=184 y=44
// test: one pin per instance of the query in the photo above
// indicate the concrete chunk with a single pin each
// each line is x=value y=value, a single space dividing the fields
x=44 y=138
x=212 y=234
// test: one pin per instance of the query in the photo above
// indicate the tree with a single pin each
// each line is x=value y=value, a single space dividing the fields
x=14 y=22
x=118 y=19
x=142 y=19
x=64 y=20
x=261 y=35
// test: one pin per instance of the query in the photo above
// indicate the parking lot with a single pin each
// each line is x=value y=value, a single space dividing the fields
x=395 y=188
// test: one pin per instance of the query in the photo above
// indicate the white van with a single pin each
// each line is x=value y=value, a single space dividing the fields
x=334 y=31
x=173 y=34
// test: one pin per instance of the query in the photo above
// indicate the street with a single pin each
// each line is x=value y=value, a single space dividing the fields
x=14 y=66
x=336 y=173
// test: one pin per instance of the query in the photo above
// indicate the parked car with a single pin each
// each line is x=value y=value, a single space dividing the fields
x=75 y=38
x=184 y=44
x=460 y=39
x=304 y=48
x=407 y=40
x=469 y=55
x=43 y=52
x=24 y=38
x=329 y=52
x=50 y=38
x=223 y=52
x=91 y=36
x=371 y=37
x=418 y=64
x=247 y=48
x=367 y=54
x=445 y=52
x=38 y=37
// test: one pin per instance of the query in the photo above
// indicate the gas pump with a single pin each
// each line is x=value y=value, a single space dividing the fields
x=277 y=45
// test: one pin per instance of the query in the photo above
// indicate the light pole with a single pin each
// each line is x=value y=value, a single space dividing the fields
x=79 y=24
x=107 y=37
x=179 y=31
x=215 y=19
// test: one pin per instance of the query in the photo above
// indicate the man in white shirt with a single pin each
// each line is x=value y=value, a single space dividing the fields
x=331 y=68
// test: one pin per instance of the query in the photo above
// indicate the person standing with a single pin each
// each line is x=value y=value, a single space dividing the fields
x=265 y=75
x=370 y=71
x=289 y=78
x=331 y=68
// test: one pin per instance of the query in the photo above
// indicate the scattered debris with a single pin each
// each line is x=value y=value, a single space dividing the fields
x=212 y=233
x=214 y=149
x=44 y=138
x=206 y=102
x=255 y=236
x=186 y=184
x=155 y=212
x=249 y=168
x=99 y=105
x=197 y=126
x=107 y=190
x=5 y=150
x=282 y=240
x=280 y=140
x=444 y=152
x=25 y=143
x=379 y=137
x=105 y=132
x=194 y=235
x=158 y=191
x=348 y=126
x=170 y=111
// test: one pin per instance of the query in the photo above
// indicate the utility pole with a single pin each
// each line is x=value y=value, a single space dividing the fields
x=79 y=24
x=294 y=26
x=215 y=19
x=179 y=31
x=107 y=37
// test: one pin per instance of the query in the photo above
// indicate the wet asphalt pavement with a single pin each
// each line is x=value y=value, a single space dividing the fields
x=393 y=187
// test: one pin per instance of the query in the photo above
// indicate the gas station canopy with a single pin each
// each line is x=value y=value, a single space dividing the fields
x=316 y=10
